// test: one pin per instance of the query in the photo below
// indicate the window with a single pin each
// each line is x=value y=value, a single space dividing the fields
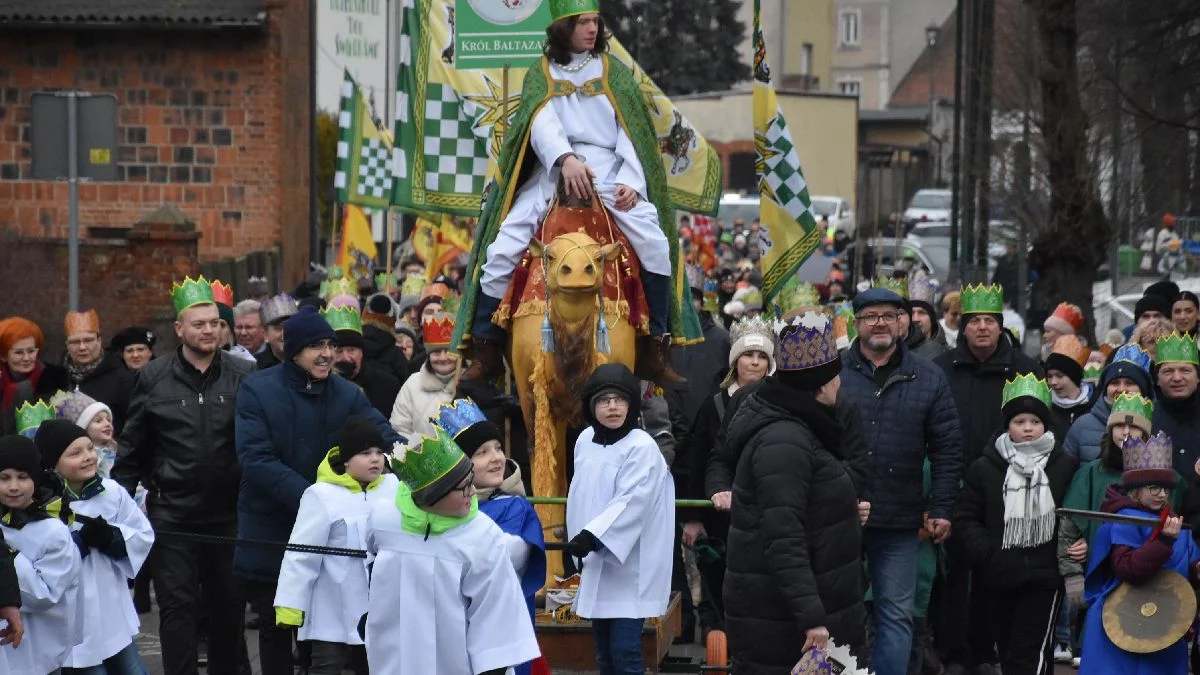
x=849 y=87
x=806 y=55
x=848 y=20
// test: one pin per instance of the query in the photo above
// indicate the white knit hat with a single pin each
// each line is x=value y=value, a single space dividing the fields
x=749 y=335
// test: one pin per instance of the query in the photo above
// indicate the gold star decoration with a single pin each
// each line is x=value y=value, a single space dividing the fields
x=493 y=105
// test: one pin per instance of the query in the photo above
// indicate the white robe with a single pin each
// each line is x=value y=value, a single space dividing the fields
x=48 y=571
x=587 y=126
x=330 y=590
x=624 y=495
x=449 y=604
x=110 y=621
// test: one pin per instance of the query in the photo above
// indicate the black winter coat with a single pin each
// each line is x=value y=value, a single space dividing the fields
x=265 y=359
x=794 y=550
x=704 y=365
x=692 y=457
x=111 y=383
x=379 y=347
x=179 y=440
x=979 y=525
x=53 y=379
x=977 y=389
x=910 y=417
x=1181 y=421
x=380 y=386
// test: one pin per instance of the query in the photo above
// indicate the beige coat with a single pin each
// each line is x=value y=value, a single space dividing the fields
x=419 y=399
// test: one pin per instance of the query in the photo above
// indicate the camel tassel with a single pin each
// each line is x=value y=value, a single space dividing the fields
x=547 y=332
x=602 y=344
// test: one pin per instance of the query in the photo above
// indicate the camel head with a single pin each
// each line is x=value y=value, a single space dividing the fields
x=574 y=263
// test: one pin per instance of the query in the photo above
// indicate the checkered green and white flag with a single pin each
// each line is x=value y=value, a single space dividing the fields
x=363 y=176
x=444 y=117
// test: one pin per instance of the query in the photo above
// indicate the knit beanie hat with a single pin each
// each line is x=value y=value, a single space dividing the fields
x=379 y=311
x=303 y=329
x=1068 y=357
x=78 y=408
x=1152 y=302
x=54 y=437
x=359 y=434
x=1132 y=409
x=20 y=453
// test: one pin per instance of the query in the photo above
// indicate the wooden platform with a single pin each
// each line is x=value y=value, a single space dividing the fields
x=570 y=646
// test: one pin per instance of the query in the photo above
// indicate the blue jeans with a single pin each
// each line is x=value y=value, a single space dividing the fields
x=124 y=662
x=619 y=646
x=892 y=561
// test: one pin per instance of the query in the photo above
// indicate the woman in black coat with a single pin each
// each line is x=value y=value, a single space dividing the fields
x=794 y=578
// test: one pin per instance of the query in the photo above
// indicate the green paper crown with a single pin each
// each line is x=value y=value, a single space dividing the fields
x=413 y=285
x=343 y=318
x=383 y=280
x=1176 y=348
x=30 y=417
x=980 y=299
x=191 y=292
x=1026 y=385
x=561 y=9
x=341 y=286
x=421 y=467
x=1092 y=370
x=897 y=286
x=1132 y=404
x=796 y=294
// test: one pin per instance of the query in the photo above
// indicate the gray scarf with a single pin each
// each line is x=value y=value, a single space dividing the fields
x=1028 y=503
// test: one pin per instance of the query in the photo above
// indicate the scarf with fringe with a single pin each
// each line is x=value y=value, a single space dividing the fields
x=1028 y=503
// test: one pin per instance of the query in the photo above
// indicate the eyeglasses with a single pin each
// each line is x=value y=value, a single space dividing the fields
x=876 y=319
x=465 y=488
x=1157 y=490
x=323 y=345
x=612 y=399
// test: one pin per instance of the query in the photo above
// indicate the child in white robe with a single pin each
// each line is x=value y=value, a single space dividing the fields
x=323 y=595
x=114 y=539
x=621 y=520
x=444 y=597
x=47 y=562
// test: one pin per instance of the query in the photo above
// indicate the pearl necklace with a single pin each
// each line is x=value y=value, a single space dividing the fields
x=578 y=67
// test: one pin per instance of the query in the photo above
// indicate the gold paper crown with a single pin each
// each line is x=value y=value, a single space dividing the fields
x=897 y=286
x=1072 y=347
x=336 y=287
x=190 y=293
x=82 y=322
x=1176 y=348
x=412 y=285
x=796 y=294
x=980 y=299
x=1026 y=385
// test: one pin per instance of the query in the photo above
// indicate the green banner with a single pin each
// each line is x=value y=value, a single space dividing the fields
x=495 y=33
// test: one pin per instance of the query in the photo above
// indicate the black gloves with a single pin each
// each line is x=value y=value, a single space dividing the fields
x=584 y=543
x=362 y=627
x=96 y=533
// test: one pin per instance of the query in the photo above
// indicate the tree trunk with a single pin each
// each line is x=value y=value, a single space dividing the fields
x=1068 y=252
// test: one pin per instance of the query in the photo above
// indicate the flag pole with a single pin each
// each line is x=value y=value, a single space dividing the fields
x=389 y=223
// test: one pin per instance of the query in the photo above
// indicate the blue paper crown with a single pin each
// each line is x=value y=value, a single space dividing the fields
x=458 y=416
x=1134 y=355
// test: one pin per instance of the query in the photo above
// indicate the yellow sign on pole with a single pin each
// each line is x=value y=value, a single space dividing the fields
x=100 y=156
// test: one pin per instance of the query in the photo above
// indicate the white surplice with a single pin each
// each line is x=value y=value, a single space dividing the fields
x=587 y=126
x=48 y=566
x=110 y=620
x=446 y=603
x=624 y=495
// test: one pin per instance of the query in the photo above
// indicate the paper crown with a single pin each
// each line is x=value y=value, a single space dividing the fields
x=751 y=298
x=436 y=289
x=1147 y=461
x=1133 y=354
x=412 y=285
x=343 y=300
x=805 y=342
x=1176 y=348
x=222 y=293
x=1067 y=318
x=1132 y=404
x=1091 y=372
x=423 y=465
x=190 y=293
x=561 y=9
x=695 y=276
x=922 y=288
x=81 y=322
x=71 y=405
x=331 y=288
x=980 y=299
x=384 y=279
x=343 y=318
x=711 y=298
x=438 y=331
x=751 y=326
x=1072 y=347
x=844 y=321
x=897 y=286
x=30 y=416
x=1026 y=385
x=457 y=416
x=279 y=307
x=796 y=294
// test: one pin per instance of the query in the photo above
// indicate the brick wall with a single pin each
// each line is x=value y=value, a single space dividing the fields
x=127 y=281
x=201 y=125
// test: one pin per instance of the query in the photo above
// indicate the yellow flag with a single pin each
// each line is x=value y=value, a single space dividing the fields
x=789 y=230
x=357 y=255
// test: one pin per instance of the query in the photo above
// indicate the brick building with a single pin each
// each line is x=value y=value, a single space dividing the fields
x=214 y=118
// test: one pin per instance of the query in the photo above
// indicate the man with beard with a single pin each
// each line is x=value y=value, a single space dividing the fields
x=379 y=385
x=103 y=377
x=908 y=415
x=287 y=420
x=179 y=442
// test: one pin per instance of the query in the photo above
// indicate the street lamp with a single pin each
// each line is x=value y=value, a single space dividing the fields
x=931 y=38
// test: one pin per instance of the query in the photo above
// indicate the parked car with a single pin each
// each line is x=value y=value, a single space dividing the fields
x=837 y=209
x=735 y=206
x=935 y=260
x=927 y=205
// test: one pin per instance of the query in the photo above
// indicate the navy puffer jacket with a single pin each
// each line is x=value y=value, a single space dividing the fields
x=1083 y=438
x=911 y=416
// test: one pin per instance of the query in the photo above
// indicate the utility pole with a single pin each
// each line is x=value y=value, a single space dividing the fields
x=970 y=148
x=983 y=158
x=956 y=262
